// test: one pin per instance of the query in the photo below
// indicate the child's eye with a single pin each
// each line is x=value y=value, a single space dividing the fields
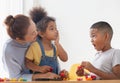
x=51 y=28
x=92 y=36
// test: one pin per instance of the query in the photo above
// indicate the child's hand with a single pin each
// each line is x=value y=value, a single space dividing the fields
x=45 y=69
x=88 y=66
x=57 y=39
x=64 y=74
x=80 y=71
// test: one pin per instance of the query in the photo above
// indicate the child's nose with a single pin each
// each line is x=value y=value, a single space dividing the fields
x=91 y=40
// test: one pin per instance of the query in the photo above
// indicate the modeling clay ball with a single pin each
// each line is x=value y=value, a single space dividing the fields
x=13 y=80
x=1 y=80
x=93 y=77
x=80 y=71
x=64 y=75
x=79 y=79
x=24 y=80
x=20 y=79
x=89 y=78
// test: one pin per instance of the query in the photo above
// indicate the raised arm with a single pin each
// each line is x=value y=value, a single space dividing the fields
x=61 y=52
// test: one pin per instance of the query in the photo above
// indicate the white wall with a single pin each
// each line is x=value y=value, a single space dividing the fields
x=74 y=18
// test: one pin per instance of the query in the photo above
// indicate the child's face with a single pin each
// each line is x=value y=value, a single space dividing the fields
x=51 y=31
x=97 y=39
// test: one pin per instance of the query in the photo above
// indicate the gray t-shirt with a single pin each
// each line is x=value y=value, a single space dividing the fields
x=13 y=60
x=105 y=61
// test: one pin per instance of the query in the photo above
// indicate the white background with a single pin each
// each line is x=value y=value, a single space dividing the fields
x=74 y=18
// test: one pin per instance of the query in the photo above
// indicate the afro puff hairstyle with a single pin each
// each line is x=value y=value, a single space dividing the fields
x=37 y=13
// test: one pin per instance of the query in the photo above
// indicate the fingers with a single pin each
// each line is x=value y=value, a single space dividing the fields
x=53 y=75
x=84 y=63
x=47 y=67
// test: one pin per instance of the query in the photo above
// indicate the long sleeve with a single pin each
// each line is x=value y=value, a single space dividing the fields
x=13 y=61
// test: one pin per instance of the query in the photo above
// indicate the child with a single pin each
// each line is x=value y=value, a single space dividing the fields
x=42 y=54
x=106 y=64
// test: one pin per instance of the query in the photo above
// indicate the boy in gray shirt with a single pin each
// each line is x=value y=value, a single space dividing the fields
x=106 y=64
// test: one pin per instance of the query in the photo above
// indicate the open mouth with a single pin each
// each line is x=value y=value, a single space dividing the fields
x=94 y=45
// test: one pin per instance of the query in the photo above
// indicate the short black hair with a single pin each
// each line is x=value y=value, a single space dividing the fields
x=104 y=27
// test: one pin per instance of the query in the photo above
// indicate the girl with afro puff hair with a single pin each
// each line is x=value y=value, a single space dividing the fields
x=41 y=56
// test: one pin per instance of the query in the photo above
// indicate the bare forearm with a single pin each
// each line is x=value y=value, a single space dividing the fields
x=30 y=65
x=104 y=75
x=61 y=52
x=115 y=74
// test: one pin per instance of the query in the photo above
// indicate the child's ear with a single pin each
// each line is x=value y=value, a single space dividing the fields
x=107 y=36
